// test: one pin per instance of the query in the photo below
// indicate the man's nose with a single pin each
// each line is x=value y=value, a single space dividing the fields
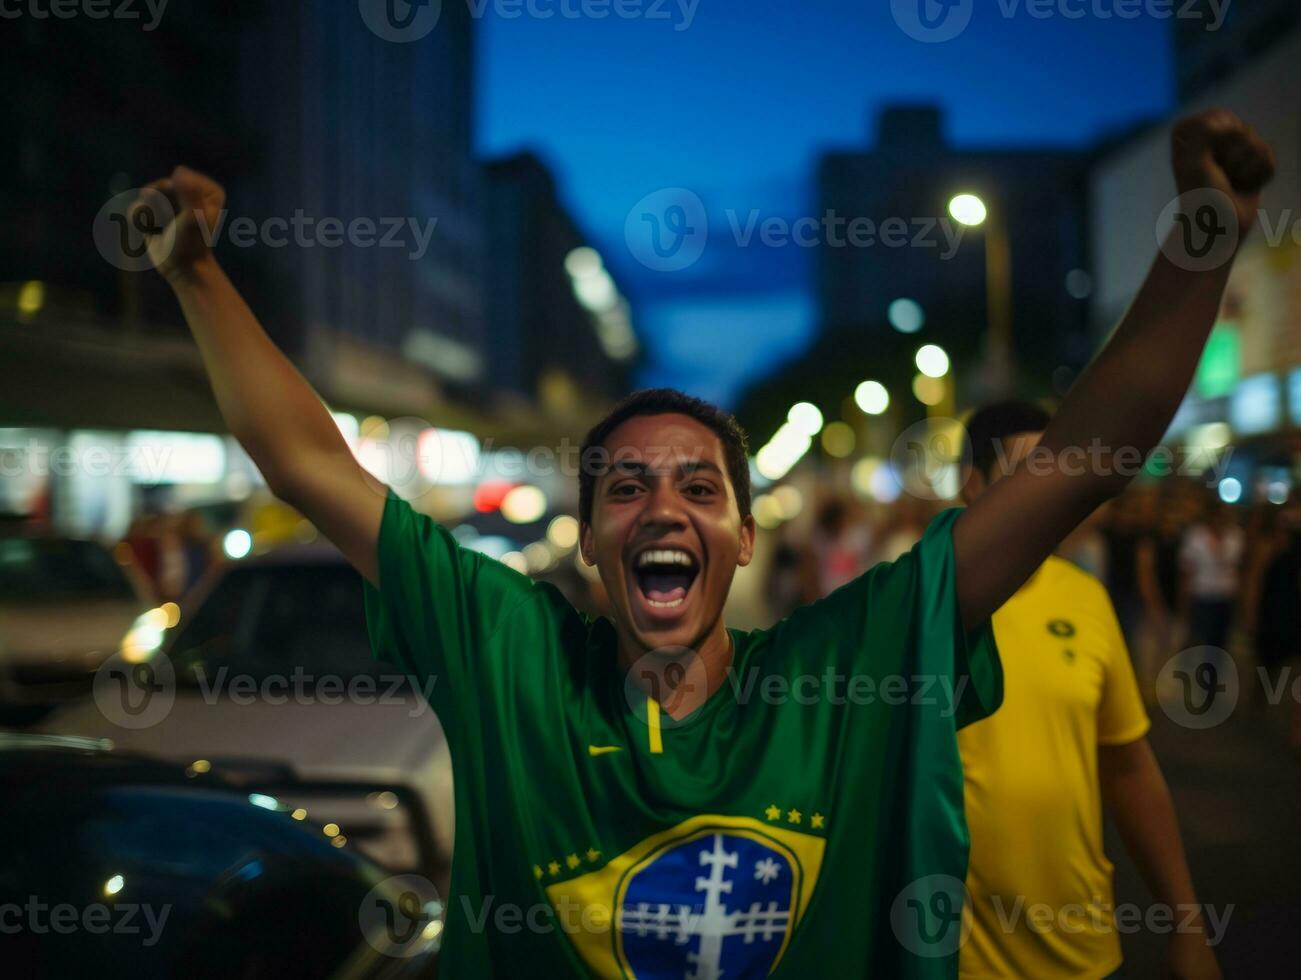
x=663 y=506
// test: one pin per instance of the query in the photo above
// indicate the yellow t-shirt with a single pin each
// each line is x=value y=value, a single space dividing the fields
x=1040 y=883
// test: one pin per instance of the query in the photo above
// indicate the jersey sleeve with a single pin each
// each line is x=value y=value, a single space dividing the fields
x=436 y=602
x=901 y=618
x=1121 y=715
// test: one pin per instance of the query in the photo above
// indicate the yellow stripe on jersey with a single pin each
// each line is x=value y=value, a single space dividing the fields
x=653 y=723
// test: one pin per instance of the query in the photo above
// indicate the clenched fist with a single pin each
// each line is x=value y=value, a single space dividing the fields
x=178 y=215
x=1217 y=150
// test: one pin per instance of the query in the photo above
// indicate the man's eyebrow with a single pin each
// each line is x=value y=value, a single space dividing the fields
x=691 y=466
x=638 y=467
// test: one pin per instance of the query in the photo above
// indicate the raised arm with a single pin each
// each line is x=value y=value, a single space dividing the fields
x=1125 y=400
x=268 y=406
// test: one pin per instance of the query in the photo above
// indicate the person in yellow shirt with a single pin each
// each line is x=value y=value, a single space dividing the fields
x=1069 y=737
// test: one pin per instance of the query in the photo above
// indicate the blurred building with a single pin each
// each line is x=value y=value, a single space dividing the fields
x=304 y=114
x=1247 y=393
x=1205 y=58
x=560 y=330
x=912 y=173
x=1034 y=198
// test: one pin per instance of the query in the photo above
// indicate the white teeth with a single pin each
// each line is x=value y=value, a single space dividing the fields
x=665 y=557
x=667 y=605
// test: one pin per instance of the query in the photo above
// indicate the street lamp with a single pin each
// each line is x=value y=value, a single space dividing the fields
x=970 y=210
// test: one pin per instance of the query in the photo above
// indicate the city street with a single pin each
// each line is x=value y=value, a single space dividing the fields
x=1237 y=789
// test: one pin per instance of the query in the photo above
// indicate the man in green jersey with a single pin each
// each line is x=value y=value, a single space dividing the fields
x=655 y=795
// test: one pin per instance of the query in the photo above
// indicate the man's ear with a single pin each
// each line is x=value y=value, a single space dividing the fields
x=747 y=541
x=587 y=542
x=976 y=485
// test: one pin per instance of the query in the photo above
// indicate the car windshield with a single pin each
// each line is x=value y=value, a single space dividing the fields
x=264 y=621
x=38 y=568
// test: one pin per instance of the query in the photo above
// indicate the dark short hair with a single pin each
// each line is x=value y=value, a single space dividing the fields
x=666 y=401
x=990 y=425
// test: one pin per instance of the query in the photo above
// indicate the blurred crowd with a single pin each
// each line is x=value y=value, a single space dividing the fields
x=1183 y=570
x=171 y=550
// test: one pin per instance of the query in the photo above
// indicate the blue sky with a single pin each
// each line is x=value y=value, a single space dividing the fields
x=738 y=106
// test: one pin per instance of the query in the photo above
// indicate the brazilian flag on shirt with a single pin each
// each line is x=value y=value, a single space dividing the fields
x=805 y=821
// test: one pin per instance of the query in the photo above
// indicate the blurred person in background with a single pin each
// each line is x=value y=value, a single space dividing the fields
x=838 y=548
x=903 y=527
x=786 y=585
x=172 y=571
x=1069 y=737
x=1164 y=624
x=196 y=546
x=1210 y=559
x=1272 y=609
x=1128 y=523
x=142 y=539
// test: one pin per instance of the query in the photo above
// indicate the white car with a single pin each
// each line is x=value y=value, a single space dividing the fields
x=65 y=605
x=271 y=664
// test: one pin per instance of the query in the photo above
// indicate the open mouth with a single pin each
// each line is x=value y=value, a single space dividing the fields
x=664 y=577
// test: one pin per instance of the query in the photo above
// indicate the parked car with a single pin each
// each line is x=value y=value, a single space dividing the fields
x=118 y=865
x=263 y=655
x=65 y=605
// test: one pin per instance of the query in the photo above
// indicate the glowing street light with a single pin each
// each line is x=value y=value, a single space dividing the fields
x=906 y=315
x=932 y=361
x=806 y=418
x=872 y=397
x=968 y=209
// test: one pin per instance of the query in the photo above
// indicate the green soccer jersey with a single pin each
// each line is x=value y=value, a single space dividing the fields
x=805 y=821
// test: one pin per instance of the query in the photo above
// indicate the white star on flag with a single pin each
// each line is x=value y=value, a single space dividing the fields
x=766 y=870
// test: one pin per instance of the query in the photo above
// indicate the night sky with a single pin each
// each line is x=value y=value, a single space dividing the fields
x=738 y=106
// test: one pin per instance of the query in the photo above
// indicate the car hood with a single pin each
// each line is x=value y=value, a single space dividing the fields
x=78 y=633
x=400 y=742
